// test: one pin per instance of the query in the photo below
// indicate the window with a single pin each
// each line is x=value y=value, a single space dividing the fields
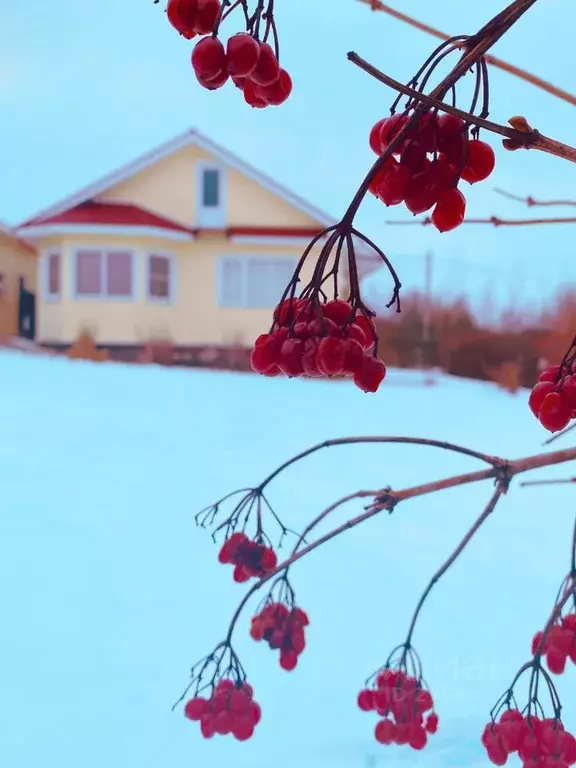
x=210 y=188
x=160 y=277
x=210 y=196
x=253 y=281
x=106 y=273
x=52 y=275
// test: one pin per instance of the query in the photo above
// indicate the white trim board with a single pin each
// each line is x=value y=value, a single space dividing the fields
x=46 y=230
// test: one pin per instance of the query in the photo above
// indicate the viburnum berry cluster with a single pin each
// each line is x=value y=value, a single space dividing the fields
x=557 y=643
x=246 y=58
x=282 y=626
x=251 y=558
x=325 y=340
x=402 y=701
x=553 y=397
x=424 y=169
x=223 y=701
x=538 y=742
x=230 y=709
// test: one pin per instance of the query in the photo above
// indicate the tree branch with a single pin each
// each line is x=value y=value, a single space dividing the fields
x=529 y=139
x=501 y=489
x=495 y=221
x=387 y=500
x=530 y=201
x=559 y=93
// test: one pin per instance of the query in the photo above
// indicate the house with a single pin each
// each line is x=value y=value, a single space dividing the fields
x=18 y=267
x=187 y=244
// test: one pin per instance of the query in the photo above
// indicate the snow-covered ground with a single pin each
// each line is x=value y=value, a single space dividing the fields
x=110 y=592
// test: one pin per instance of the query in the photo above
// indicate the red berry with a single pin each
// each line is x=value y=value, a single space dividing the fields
x=413 y=156
x=242 y=53
x=267 y=68
x=277 y=92
x=290 y=360
x=265 y=354
x=536 y=640
x=385 y=732
x=367 y=326
x=309 y=363
x=208 y=58
x=338 y=311
x=196 y=708
x=556 y=661
x=371 y=375
x=207 y=726
x=208 y=11
x=552 y=373
x=568 y=388
x=182 y=15
x=214 y=83
x=452 y=137
x=431 y=724
x=331 y=355
x=286 y=312
x=254 y=96
x=353 y=357
x=480 y=161
x=390 y=129
x=366 y=700
x=242 y=728
x=555 y=412
x=374 y=139
x=240 y=574
x=449 y=210
x=537 y=395
x=288 y=660
x=392 y=188
x=417 y=737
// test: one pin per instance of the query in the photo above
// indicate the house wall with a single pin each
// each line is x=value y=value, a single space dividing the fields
x=16 y=260
x=169 y=188
x=193 y=318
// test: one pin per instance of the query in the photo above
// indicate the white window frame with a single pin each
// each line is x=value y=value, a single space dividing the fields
x=170 y=299
x=104 y=295
x=211 y=217
x=45 y=274
x=244 y=260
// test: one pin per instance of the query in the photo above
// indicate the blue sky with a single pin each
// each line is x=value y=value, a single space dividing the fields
x=83 y=91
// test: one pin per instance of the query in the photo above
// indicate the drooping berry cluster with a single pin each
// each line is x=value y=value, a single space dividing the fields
x=559 y=644
x=231 y=709
x=282 y=627
x=248 y=61
x=323 y=341
x=553 y=398
x=402 y=703
x=539 y=743
x=425 y=168
x=250 y=558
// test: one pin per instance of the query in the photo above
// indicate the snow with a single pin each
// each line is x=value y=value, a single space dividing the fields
x=111 y=593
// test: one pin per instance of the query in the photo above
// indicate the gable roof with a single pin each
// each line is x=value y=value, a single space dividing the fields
x=190 y=138
x=5 y=229
x=114 y=214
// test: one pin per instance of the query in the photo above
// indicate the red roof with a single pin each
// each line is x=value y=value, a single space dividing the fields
x=111 y=214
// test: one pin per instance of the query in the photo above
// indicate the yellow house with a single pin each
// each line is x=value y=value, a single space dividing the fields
x=187 y=244
x=18 y=268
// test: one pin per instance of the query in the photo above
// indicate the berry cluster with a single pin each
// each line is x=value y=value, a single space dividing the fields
x=251 y=64
x=231 y=709
x=281 y=627
x=538 y=742
x=402 y=703
x=553 y=397
x=559 y=645
x=250 y=558
x=423 y=182
x=326 y=341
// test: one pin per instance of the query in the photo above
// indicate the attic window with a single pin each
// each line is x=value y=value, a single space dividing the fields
x=210 y=188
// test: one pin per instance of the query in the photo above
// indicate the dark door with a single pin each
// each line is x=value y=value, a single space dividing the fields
x=26 y=312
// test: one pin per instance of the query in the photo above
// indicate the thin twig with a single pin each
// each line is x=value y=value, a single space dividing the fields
x=495 y=221
x=376 y=5
x=559 y=434
x=532 y=139
x=530 y=201
x=563 y=481
x=501 y=489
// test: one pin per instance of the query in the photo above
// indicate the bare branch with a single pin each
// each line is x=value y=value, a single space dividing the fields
x=559 y=434
x=530 y=201
x=559 y=93
x=529 y=139
x=495 y=221
x=387 y=500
